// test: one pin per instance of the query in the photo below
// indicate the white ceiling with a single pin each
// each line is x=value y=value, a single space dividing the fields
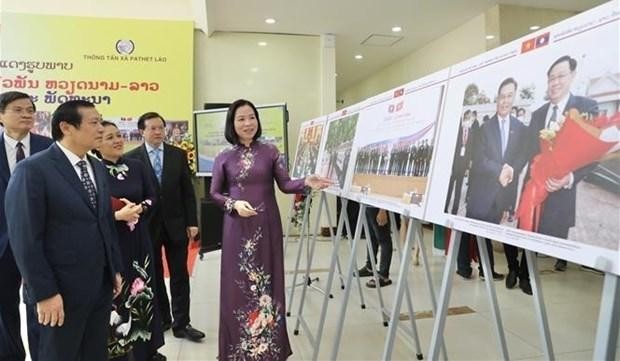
x=352 y=21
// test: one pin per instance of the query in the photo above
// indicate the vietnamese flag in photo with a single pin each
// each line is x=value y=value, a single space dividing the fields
x=528 y=45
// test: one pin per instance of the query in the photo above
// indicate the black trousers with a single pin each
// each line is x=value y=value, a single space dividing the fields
x=380 y=237
x=512 y=258
x=84 y=335
x=464 y=260
x=11 y=346
x=456 y=185
x=176 y=257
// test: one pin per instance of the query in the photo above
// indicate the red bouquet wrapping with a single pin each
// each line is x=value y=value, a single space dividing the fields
x=572 y=145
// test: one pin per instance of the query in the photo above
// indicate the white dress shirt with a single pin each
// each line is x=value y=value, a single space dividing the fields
x=74 y=159
x=561 y=105
x=10 y=145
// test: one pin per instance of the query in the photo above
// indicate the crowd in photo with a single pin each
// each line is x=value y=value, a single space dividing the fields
x=400 y=158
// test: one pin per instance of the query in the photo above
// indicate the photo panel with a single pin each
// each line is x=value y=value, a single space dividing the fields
x=394 y=146
x=528 y=151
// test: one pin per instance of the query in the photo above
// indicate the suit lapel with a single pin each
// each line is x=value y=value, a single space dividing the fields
x=165 y=172
x=5 y=171
x=37 y=144
x=100 y=179
x=512 y=136
x=68 y=172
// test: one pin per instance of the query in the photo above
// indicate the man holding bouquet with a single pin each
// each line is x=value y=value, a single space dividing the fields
x=558 y=211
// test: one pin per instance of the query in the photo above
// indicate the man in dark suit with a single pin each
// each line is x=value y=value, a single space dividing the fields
x=16 y=143
x=173 y=221
x=498 y=159
x=558 y=214
x=62 y=233
x=460 y=163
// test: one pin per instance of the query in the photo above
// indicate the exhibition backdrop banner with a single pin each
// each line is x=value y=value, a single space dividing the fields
x=528 y=147
x=125 y=66
x=393 y=149
x=308 y=144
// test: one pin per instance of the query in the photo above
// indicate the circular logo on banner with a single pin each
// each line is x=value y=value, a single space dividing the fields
x=125 y=47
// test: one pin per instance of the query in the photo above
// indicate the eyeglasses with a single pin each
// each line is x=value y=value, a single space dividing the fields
x=558 y=77
x=19 y=110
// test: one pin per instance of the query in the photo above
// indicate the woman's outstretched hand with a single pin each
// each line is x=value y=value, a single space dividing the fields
x=317 y=182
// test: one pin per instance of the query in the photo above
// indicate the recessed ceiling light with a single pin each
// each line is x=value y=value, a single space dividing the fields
x=397 y=29
x=534 y=27
x=270 y=21
x=262 y=43
x=490 y=37
x=335 y=75
x=254 y=70
x=359 y=57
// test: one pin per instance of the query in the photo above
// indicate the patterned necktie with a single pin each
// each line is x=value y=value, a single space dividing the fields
x=88 y=184
x=19 y=152
x=157 y=168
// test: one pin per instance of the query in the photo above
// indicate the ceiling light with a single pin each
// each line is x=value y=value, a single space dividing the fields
x=359 y=57
x=397 y=29
x=490 y=37
x=262 y=43
x=270 y=21
x=254 y=70
x=534 y=27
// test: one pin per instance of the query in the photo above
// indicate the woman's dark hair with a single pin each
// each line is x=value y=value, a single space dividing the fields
x=229 y=130
x=104 y=123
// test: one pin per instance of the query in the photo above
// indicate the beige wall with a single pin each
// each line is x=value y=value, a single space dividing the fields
x=516 y=20
x=459 y=44
x=505 y=22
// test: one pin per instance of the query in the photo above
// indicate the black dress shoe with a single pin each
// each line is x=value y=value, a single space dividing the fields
x=158 y=357
x=165 y=326
x=189 y=333
x=511 y=279
x=560 y=265
x=364 y=272
x=383 y=281
x=466 y=275
x=496 y=276
x=525 y=286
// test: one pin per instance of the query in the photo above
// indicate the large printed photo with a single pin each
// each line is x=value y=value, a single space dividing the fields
x=394 y=145
x=308 y=146
x=336 y=152
x=537 y=146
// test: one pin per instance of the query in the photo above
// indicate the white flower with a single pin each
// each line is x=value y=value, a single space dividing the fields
x=115 y=318
x=264 y=300
x=262 y=348
x=253 y=288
